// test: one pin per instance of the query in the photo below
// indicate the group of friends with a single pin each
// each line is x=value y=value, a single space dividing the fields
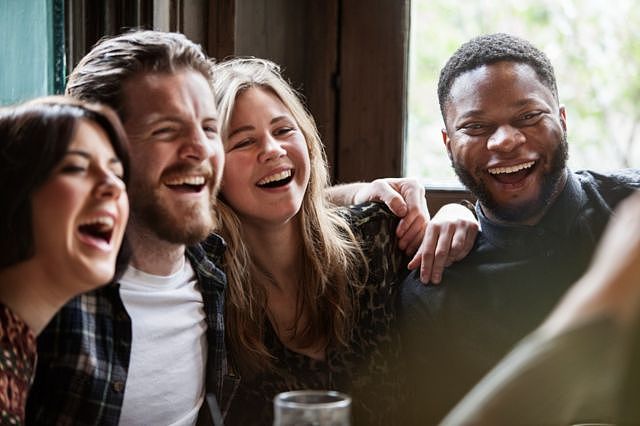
x=198 y=192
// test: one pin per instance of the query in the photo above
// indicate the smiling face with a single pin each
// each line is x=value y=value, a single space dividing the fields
x=267 y=161
x=176 y=152
x=506 y=137
x=80 y=213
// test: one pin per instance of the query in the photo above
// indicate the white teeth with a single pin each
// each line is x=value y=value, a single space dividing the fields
x=186 y=180
x=107 y=221
x=274 y=177
x=511 y=169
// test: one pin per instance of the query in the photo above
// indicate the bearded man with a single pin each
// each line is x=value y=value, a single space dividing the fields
x=506 y=135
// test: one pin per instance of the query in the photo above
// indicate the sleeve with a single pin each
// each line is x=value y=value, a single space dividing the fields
x=421 y=359
x=374 y=226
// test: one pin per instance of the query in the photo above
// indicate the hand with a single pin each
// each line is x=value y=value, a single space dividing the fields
x=612 y=282
x=405 y=198
x=449 y=237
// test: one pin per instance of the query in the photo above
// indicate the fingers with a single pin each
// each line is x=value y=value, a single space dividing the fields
x=444 y=238
x=425 y=255
x=443 y=244
x=412 y=238
x=410 y=231
x=464 y=237
x=413 y=224
x=433 y=252
x=394 y=201
x=382 y=190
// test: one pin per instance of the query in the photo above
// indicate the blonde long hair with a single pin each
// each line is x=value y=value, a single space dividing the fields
x=334 y=267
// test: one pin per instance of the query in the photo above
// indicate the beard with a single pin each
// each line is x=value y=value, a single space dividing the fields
x=185 y=223
x=529 y=209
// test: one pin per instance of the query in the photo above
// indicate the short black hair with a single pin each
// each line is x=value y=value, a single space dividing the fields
x=34 y=137
x=491 y=48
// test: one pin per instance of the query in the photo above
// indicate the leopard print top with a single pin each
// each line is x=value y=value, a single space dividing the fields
x=364 y=370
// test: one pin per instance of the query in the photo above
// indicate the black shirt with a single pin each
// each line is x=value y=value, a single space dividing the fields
x=455 y=332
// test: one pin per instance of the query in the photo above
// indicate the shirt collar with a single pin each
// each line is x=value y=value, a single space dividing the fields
x=556 y=221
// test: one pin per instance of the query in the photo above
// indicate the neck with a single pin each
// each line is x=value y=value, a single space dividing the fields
x=33 y=294
x=154 y=255
x=277 y=250
x=535 y=217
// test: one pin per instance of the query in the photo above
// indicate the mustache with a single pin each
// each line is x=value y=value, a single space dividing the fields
x=205 y=170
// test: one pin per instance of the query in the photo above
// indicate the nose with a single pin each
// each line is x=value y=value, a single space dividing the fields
x=271 y=149
x=506 y=138
x=109 y=186
x=198 y=146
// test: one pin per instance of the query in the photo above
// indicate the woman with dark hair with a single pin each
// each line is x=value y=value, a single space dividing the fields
x=63 y=169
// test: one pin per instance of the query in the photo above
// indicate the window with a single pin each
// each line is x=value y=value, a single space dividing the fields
x=595 y=51
x=32 y=34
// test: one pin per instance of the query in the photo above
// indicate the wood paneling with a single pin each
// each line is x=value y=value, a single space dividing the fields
x=373 y=71
x=302 y=37
x=221 y=28
x=90 y=20
x=348 y=58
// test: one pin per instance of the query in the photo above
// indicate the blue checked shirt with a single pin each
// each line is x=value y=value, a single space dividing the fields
x=83 y=354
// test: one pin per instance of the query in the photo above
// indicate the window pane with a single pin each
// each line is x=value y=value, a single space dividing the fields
x=592 y=44
x=31 y=34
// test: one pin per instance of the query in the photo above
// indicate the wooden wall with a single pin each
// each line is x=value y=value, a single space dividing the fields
x=347 y=57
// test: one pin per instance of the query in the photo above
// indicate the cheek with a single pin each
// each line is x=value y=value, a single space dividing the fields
x=123 y=206
x=234 y=183
x=54 y=208
x=304 y=160
x=59 y=197
x=468 y=152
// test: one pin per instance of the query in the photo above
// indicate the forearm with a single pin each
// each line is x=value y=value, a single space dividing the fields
x=344 y=194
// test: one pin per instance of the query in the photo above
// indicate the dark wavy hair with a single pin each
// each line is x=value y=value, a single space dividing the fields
x=489 y=49
x=34 y=138
x=101 y=74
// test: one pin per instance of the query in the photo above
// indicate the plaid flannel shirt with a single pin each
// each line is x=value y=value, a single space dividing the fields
x=83 y=354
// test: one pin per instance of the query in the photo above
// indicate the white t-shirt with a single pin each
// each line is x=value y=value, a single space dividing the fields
x=165 y=384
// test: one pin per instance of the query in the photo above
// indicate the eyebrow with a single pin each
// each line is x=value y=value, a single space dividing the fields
x=249 y=127
x=518 y=104
x=155 y=118
x=86 y=155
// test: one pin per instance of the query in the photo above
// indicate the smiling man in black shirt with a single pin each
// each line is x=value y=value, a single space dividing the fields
x=506 y=134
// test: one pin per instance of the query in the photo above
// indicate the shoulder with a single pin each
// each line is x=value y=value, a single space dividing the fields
x=619 y=180
x=608 y=189
x=212 y=248
x=206 y=259
x=369 y=218
x=17 y=336
x=208 y=253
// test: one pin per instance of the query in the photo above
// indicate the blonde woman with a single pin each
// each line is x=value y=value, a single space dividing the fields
x=310 y=286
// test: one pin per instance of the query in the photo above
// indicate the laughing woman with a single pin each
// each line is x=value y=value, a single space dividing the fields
x=63 y=168
x=311 y=287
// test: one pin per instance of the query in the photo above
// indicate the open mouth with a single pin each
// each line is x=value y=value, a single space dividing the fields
x=512 y=174
x=100 y=228
x=190 y=184
x=276 y=180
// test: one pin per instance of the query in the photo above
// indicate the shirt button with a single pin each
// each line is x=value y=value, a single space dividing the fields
x=118 y=386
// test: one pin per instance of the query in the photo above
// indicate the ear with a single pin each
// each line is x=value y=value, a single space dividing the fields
x=563 y=117
x=446 y=140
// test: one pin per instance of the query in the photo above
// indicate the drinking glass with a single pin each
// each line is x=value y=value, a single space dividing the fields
x=312 y=408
